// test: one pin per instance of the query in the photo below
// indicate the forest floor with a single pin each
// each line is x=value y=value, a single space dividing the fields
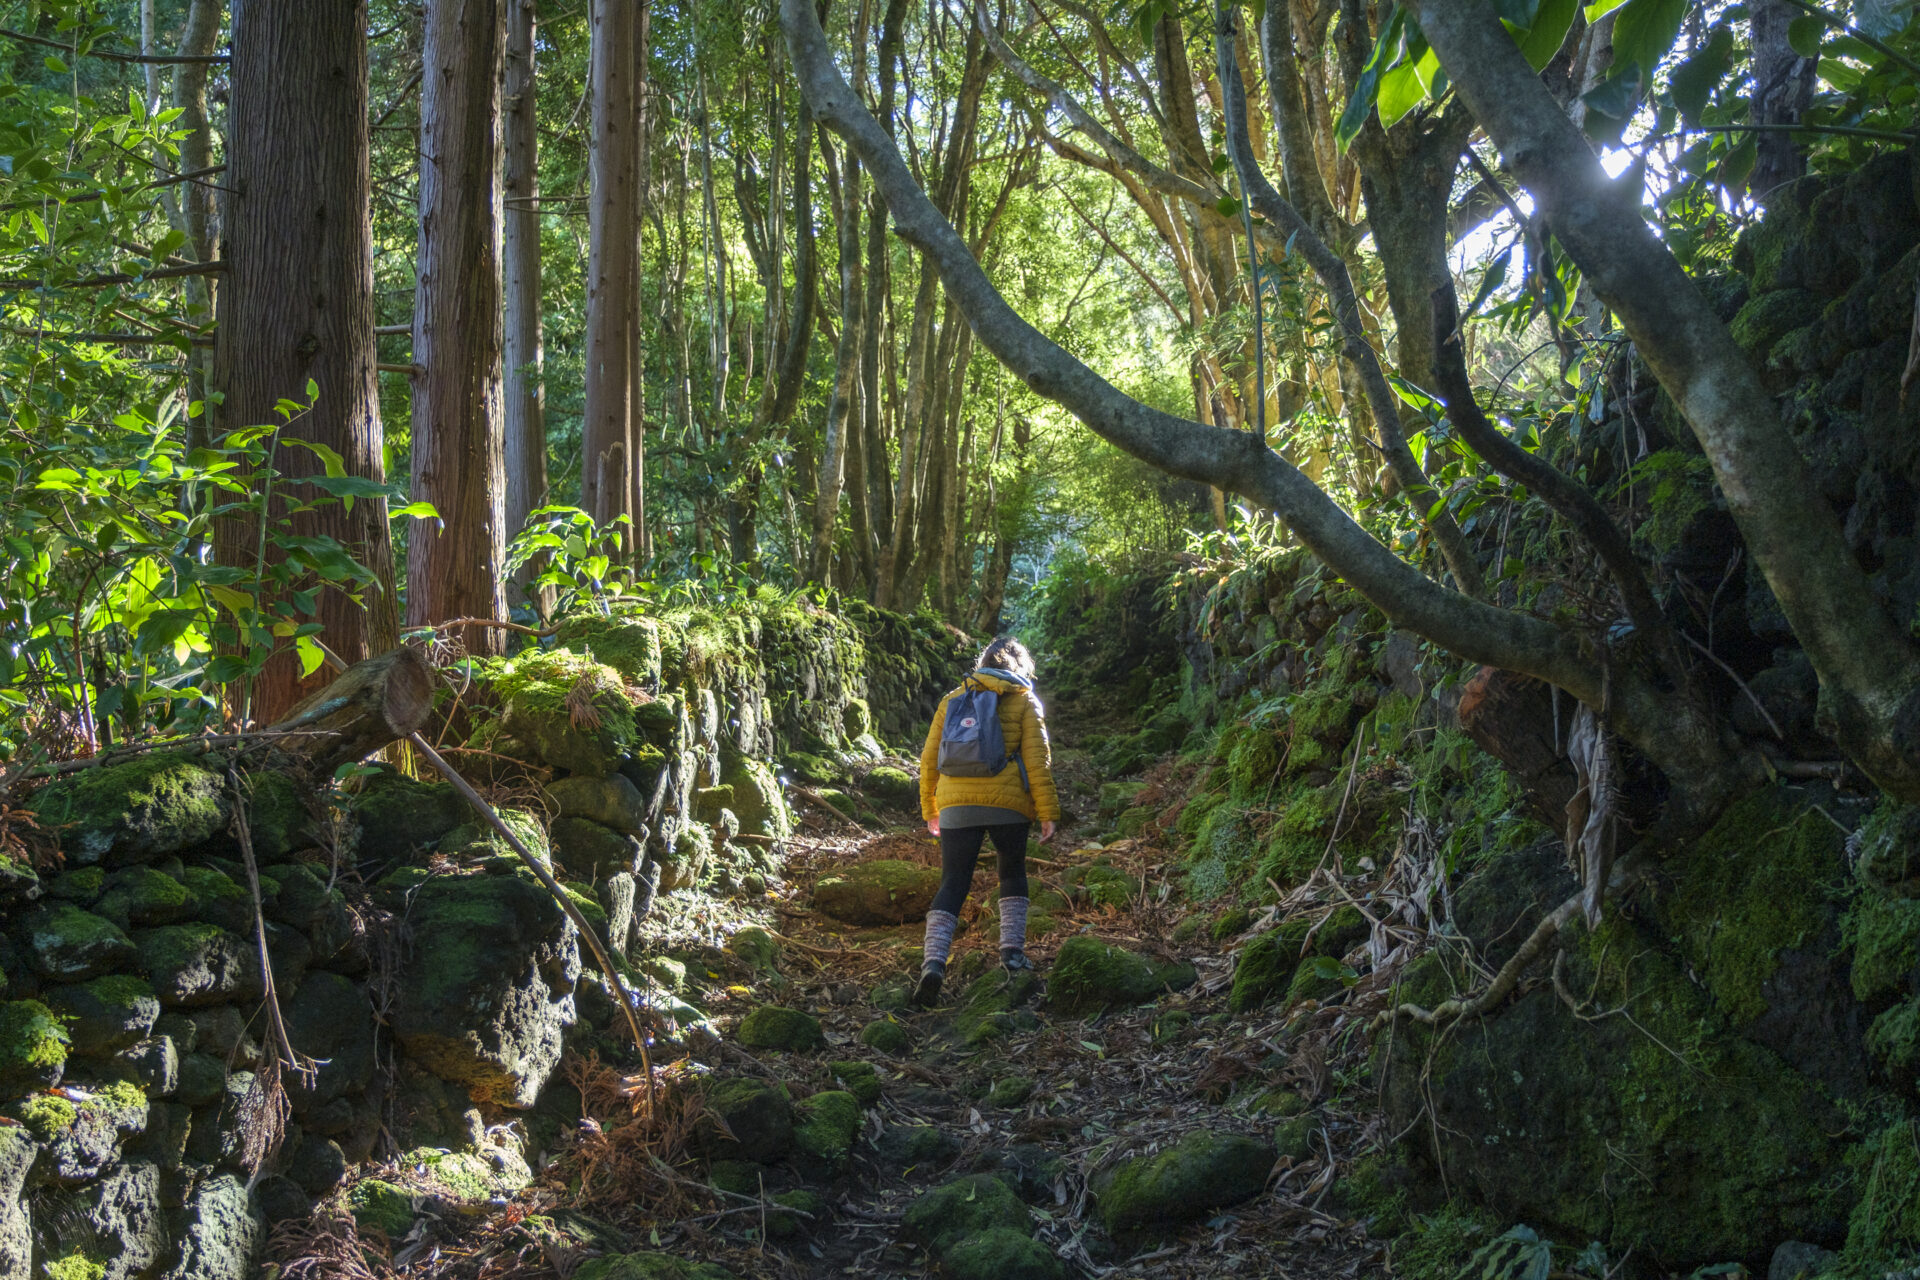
x=1102 y=1088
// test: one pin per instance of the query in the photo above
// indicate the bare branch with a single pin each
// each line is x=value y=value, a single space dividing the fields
x=162 y=59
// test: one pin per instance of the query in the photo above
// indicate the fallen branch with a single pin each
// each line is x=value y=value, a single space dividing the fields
x=814 y=797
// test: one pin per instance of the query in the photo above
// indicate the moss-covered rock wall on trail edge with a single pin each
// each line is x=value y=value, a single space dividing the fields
x=434 y=981
x=1726 y=1064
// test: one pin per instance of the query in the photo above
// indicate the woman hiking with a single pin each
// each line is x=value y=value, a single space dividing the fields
x=985 y=773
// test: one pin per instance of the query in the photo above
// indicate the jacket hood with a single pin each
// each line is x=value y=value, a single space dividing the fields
x=1000 y=681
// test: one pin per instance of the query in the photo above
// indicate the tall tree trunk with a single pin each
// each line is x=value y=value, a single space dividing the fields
x=826 y=510
x=1782 y=89
x=191 y=208
x=458 y=442
x=636 y=319
x=524 y=397
x=298 y=303
x=606 y=477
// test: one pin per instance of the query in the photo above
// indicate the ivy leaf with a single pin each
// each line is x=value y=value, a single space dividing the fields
x=1644 y=33
x=1805 y=33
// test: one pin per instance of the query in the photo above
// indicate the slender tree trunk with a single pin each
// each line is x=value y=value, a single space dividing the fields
x=606 y=478
x=826 y=511
x=191 y=208
x=298 y=303
x=458 y=441
x=637 y=319
x=524 y=395
x=1782 y=89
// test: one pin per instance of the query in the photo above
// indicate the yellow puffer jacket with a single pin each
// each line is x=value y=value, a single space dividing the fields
x=1025 y=730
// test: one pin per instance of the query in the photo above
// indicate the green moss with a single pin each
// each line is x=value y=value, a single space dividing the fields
x=1293 y=1136
x=1265 y=964
x=826 y=1125
x=742 y=1177
x=649 y=1266
x=33 y=1045
x=82 y=885
x=1885 y=935
x=1230 y=923
x=463 y=1175
x=773 y=1026
x=859 y=1079
x=1090 y=975
x=940 y=1218
x=381 y=1206
x=149 y=806
x=1754 y=886
x=1204 y=1171
x=1000 y=1253
x=75 y=1266
x=782 y=1225
x=46 y=1115
x=992 y=1006
x=884 y=782
x=143 y=895
x=1883 y=1230
x=569 y=708
x=1253 y=763
x=887 y=1036
x=814 y=770
x=624 y=639
x=1894 y=1037
x=1768 y=317
x=757 y=947
x=1010 y=1091
x=398 y=816
x=1101 y=885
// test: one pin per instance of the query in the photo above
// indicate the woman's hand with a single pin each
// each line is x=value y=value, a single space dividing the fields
x=933 y=826
x=1046 y=832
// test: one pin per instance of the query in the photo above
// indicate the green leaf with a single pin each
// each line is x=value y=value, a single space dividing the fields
x=1386 y=51
x=1400 y=92
x=415 y=511
x=311 y=655
x=1601 y=8
x=1644 y=32
x=336 y=465
x=1548 y=31
x=1227 y=207
x=1694 y=80
x=1805 y=33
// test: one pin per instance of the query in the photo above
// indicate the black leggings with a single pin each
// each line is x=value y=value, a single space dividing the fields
x=960 y=850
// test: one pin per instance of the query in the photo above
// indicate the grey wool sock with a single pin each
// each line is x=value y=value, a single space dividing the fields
x=1013 y=924
x=940 y=927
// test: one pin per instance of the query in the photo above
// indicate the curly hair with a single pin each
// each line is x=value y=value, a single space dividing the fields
x=1007 y=654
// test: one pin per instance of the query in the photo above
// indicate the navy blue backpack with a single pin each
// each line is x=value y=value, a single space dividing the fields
x=972 y=744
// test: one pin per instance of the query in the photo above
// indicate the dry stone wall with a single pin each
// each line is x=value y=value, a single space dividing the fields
x=430 y=983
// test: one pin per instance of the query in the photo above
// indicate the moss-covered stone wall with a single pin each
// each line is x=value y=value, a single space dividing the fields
x=426 y=976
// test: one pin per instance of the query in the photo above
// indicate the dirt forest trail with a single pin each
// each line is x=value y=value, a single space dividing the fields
x=999 y=1080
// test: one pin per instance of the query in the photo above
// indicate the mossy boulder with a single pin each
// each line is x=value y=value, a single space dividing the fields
x=570 y=710
x=885 y=891
x=758 y=802
x=811 y=1204
x=749 y=1119
x=887 y=1036
x=383 y=1208
x=68 y=944
x=994 y=1006
x=198 y=964
x=611 y=801
x=591 y=851
x=815 y=770
x=143 y=895
x=894 y=786
x=146 y=808
x=219 y=898
x=101 y=1125
x=17 y=1153
x=398 y=816
x=623 y=638
x=939 y=1219
x=859 y=1079
x=107 y=1014
x=81 y=886
x=650 y=1266
x=479 y=841
x=1528 y=1103
x=758 y=948
x=1204 y=1171
x=221 y=1232
x=1101 y=884
x=33 y=1047
x=331 y=1020
x=825 y=1126
x=773 y=1026
x=1010 y=1091
x=1090 y=975
x=486 y=993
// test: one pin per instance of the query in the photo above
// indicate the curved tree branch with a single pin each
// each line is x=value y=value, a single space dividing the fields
x=1573 y=501
x=1332 y=270
x=1870 y=679
x=1234 y=460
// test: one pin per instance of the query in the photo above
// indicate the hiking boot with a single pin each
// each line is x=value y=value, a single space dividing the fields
x=927 y=990
x=1014 y=959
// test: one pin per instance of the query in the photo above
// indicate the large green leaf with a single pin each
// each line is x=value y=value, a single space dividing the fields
x=1694 y=80
x=1643 y=34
